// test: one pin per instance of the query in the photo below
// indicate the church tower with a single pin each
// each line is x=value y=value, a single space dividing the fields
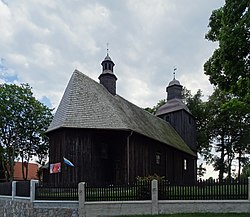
x=107 y=77
x=178 y=115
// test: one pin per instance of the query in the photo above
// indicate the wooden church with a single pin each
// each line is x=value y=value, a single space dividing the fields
x=112 y=141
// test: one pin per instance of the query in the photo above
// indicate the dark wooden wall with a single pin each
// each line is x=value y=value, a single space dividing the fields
x=143 y=162
x=101 y=158
x=98 y=156
x=184 y=124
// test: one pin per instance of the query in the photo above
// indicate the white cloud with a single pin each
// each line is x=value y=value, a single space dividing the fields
x=5 y=28
x=44 y=41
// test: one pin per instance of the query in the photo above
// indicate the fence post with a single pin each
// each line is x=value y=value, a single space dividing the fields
x=81 y=194
x=13 y=191
x=33 y=189
x=249 y=188
x=154 y=193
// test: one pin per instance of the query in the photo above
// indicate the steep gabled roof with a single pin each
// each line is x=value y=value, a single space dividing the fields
x=87 y=104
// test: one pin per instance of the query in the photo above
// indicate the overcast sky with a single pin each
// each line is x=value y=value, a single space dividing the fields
x=43 y=41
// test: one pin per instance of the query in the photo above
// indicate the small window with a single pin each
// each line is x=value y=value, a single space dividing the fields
x=185 y=164
x=158 y=158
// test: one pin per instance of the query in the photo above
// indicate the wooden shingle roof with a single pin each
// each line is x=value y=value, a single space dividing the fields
x=87 y=104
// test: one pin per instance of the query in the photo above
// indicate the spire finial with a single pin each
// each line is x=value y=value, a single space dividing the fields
x=174 y=72
x=107 y=48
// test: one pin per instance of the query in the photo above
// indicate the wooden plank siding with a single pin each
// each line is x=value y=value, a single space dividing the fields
x=98 y=156
x=184 y=124
x=101 y=158
x=143 y=162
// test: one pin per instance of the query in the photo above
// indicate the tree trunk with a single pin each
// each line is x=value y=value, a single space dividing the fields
x=22 y=167
x=12 y=164
x=222 y=158
x=25 y=164
x=239 y=162
x=27 y=169
x=229 y=168
x=5 y=169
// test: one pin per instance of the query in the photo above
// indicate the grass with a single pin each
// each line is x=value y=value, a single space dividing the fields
x=197 y=215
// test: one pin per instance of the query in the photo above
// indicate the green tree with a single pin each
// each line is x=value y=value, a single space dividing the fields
x=238 y=114
x=23 y=121
x=229 y=70
x=199 y=110
x=229 y=130
x=229 y=66
x=9 y=113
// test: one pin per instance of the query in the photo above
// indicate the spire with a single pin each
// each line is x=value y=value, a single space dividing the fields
x=107 y=77
x=107 y=63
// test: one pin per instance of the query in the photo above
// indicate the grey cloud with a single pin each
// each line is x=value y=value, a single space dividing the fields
x=44 y=41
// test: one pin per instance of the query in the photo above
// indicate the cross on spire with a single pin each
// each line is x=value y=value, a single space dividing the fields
x=107 y=48
x=174 y=72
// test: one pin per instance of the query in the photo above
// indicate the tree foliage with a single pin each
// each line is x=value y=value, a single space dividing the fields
x=229 y=70
x=229 y=127
x=23 y=121
x=199 y=110
x=229 y=66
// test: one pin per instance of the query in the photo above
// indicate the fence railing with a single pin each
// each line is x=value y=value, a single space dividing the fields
x=50 y=192
x=205 y=190
x=23 y=188
x=6 y=188
x=202 y=190
x=137 y=191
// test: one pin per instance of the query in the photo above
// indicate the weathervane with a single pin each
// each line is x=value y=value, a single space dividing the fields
x=174 y=71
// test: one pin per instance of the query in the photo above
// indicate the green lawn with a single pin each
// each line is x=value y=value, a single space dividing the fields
x=198 y=215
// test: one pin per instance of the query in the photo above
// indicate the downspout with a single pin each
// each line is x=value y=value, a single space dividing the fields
x=128 y=165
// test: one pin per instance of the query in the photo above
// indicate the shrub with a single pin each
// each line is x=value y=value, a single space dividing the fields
x=144 y=182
